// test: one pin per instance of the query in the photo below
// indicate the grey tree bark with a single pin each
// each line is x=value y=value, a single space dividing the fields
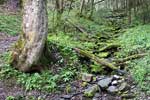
x=29 y=47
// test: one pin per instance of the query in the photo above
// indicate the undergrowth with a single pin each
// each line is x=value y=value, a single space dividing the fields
x=47 y=80
x=135 y=41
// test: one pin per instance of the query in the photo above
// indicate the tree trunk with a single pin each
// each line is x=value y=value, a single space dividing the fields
x=59 y=9
x=82 y=6
x=91 y=9
x=29 y=47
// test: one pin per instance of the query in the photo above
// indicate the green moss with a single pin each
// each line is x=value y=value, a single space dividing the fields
x=103 y=54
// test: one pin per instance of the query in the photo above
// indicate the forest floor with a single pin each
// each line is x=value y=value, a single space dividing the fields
x=9 y=87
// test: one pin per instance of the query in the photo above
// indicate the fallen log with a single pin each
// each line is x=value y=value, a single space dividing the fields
x=130 y=58
x=108 y=47
x=78 y=27
x=94 y=58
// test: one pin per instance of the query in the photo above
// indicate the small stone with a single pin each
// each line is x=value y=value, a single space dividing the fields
x=84 y=84
x=112 y=89
x=114 y=82
x=95 y=98
x=1 y=90
x=97 y=95
x=123 y=86
x=116 y=77
x=67 y=96
x=121 y=81
x=87 y=77
x=2 y=96
x=104 y=83
x=90 y=91
x=128 y=96
x=98 y=78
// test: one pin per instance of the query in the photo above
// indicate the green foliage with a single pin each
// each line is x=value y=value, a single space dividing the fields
x=6 y=57
x=10 y=98
x=140 y=71
x=136 y=40
x=63 y=39
x=45 y=81
x=96 y=68
x=10 y=24
x=2 y=2
x=67 y=74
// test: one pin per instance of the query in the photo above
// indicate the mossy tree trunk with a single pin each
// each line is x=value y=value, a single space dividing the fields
x=29 y=47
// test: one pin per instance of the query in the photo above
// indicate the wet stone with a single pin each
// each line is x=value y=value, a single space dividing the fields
x=1 y=90
x=104 y=83
x=87 y=77
x=112 y=89
x=2 y=96
x=123 y=86
x=114 y=82
x=95 y=98
x=66 y=97
x=97 y=95
x=90 y=91
x=116 y=77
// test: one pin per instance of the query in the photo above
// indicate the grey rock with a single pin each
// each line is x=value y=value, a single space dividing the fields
x=90 y=91
x=104 y=83
x=97 y=95
x=98 y=78
x=116 y=77
x=95 y=98
x=123 y=86
x=2 y=96
x=87 y=77
x=121 y=80
x=114 y=82
x=112 y=89
x=66 y=96
x=1 y=90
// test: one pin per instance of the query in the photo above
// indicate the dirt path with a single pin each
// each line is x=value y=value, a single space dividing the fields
x=6 y=41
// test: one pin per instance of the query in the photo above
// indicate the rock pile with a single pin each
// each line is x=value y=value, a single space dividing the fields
x=102 y=88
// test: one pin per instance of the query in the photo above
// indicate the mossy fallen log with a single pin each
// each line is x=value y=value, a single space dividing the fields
x=96 y=59
x=122 y=60
x=78 y=27
x=108 y=47
x=103 y=54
